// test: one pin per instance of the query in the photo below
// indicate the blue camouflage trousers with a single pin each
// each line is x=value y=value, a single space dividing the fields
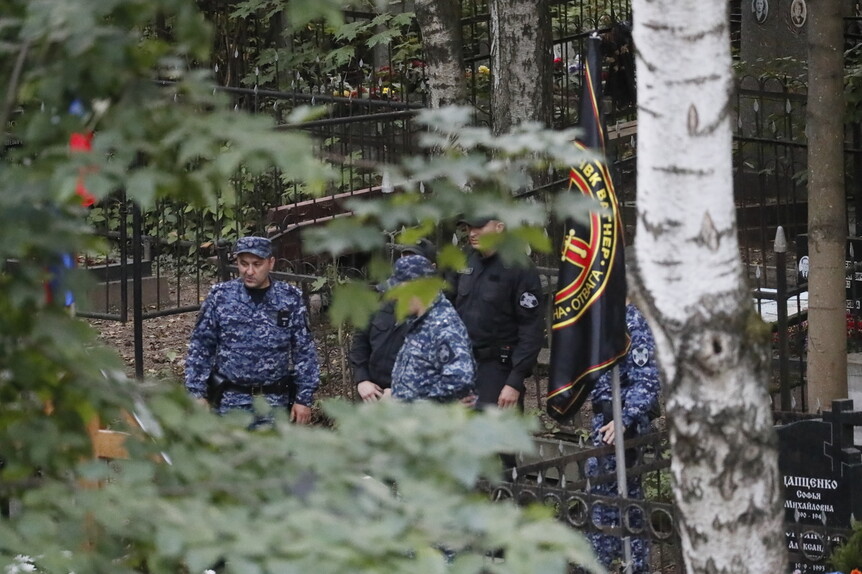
x=610 y=548
x=233 y=401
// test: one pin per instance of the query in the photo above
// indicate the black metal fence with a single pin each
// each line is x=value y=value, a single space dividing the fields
x=556 y=477
x=164 y=260
x=770 y=159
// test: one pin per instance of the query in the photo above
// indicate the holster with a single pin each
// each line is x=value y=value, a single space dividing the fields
x=216 y=385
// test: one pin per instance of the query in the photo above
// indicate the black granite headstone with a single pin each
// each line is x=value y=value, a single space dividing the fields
x=822 y=479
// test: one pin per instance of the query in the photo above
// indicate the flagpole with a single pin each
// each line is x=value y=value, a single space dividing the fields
x=620 y=451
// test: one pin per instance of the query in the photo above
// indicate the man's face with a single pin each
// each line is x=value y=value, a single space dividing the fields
x=254 y=270
x=475 y=233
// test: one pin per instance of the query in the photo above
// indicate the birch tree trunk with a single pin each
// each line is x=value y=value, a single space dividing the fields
x=827 y=223
x=440 y=24
x=711 y=345
x=521 y=63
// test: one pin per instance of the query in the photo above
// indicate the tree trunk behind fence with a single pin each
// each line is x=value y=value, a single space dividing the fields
x=827 y=219
x=440 y=24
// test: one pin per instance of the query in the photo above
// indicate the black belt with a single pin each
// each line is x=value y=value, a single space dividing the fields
x=502 y=354
x=218 y=385
x=277 y=388
x=485 y=353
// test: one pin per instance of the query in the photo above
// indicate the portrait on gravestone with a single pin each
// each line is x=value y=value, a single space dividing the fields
x=798 y=13
x=760 y=9
x=803 y=267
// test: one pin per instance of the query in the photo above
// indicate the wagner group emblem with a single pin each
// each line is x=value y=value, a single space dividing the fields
x=588 y=250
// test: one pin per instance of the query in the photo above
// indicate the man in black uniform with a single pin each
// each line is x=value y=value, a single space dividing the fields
x=502 y=309
x=373 y=349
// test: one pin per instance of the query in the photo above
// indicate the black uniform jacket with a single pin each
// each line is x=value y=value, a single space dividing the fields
x=502 y=307
x=372 y=353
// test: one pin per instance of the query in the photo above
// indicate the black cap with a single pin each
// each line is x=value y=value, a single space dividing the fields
x=423 y=247
x=475 y=221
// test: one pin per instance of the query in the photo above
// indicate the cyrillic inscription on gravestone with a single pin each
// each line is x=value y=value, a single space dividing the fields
x=822 y=480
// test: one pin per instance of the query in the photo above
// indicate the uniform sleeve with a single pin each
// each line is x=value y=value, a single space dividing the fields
x=451 y=288
x=200 y=359
x=453 y=359
x=360 y=353
x=641 y=393
x=529 y=311
x=304 y=357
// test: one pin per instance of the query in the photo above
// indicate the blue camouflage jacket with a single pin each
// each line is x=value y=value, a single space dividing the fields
x=639 y=379
x=253 y=343
x=436 y=360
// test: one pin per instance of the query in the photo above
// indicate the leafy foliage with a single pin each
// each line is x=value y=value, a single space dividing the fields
x=847 y=558
x=383 y=490
x=470 y=172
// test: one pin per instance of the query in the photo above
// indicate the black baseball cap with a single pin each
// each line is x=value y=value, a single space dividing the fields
x=475 y=221
x=423 y=247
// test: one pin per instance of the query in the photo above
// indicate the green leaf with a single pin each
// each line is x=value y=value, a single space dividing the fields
x=352 y=303
x=142 y=186
x=383 y=38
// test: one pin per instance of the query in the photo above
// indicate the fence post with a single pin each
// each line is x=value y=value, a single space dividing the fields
x=781 y=307
x=137 y=289
x=222 y=249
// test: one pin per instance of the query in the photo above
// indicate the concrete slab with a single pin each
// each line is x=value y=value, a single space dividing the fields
x=106 y=297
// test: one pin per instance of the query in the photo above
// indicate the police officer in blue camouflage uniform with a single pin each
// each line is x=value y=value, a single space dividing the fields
x=639 y=390
x=252 y=338
x=436 y=359
x=373 y=349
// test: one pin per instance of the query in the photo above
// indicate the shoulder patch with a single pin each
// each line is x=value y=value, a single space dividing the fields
x=444 y=354
x=528 y=300
x=640 y=356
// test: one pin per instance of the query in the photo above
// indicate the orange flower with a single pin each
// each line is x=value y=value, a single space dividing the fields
x=855 y=571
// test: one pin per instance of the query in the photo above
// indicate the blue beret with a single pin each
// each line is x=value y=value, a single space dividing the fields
x=260 y=246
x=408 y=268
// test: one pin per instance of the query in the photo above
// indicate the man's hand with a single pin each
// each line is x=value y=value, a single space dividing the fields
x=470 y=400
x=607 y=433
x=508 y=397
x=369 y=392
x=300 y=414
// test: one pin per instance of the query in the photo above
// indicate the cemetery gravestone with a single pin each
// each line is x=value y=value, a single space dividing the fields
x=821 y=472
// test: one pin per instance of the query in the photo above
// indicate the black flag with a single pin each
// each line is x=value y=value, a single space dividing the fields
x=589 y=331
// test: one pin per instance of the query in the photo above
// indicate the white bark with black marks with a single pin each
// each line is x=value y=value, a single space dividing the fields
x=711 y=345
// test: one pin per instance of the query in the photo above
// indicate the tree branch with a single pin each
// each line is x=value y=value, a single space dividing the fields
x=12 y=89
